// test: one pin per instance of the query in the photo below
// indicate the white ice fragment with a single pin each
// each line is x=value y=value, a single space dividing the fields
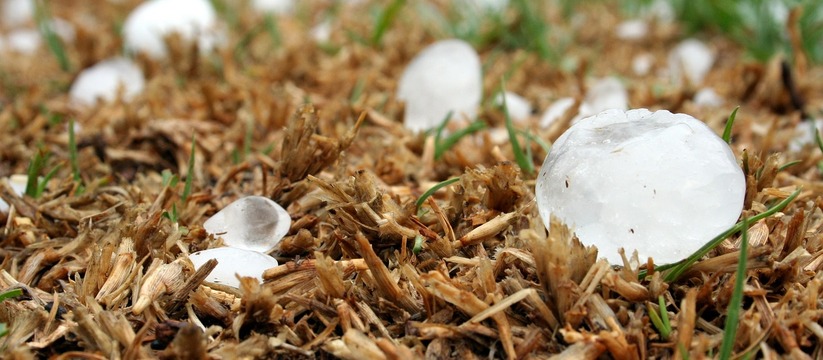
x=661 y=183
x=63 y=29
x=18 y=184
x=519 y=108
x=555 y=111
x=642 y=64
x=605 y=94
x=274 y=6
x=252 y=223
x=23 y=41
x=150 y=22
x=104 y=79
x=691 y=58
x=804 y=135
x=16 y=12
x=632 y=30
x=232 y=262
x=321 y=32
x=444 y=77
x=707 y=97
x=480 y=6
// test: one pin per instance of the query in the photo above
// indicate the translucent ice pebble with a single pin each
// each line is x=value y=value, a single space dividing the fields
x=444 y=77
x=692 y=59
x=150 y=22
x=104 y=80
x=519 y=108
x=18 y=184
x=232 y=262
x=252 y=223
x=661 y=183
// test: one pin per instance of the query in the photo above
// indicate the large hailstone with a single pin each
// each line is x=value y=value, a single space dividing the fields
x=252 y=223
x=149 y=23
x=661 y=183
x=16 y=12
x=444 y=77
x=232 y=262
x=104 y=79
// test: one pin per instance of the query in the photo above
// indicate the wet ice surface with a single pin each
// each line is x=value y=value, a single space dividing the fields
x=105 y=79
x=661 y=183
x=231 y=261
x=444 y=77
x=252 y=223
x=149 y=23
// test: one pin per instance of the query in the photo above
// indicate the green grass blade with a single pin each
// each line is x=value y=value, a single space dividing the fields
x=42 y=17
x=273 y=29
x=75 y=166
x=657 y=322
x=357 y=91
x=680 y=267
x=727 y=132
x=190 y=172
x=543 y=144
x=524 y=162
x=384 y=21
x=36 y=165
x=444 y=145
x=432 y=190
x=733 y=312
x=41 y=184
x=10 y=294
x=418 y=244
x=788 y=165
x=664 y=314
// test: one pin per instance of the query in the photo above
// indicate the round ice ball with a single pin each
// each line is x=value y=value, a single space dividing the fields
x=661 y=183
x=149 y=23
x=252 y=223
x=445 y=77
x=232 y=262
x=104 y=79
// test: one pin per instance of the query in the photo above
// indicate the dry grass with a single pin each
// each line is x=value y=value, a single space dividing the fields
x=105 y=275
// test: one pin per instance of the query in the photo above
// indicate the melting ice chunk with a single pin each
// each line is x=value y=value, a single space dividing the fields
x=661 y=183
x=252 y=223
x=231 y=261
x=149 y=23
x=691 y=58
x=519 y=108
x=18 y=184
x=104 y=79
x=444 y=77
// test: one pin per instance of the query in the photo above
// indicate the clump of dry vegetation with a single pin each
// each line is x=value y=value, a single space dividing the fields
x=104 y=274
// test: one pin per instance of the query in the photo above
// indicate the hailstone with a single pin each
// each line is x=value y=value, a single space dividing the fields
x=104 y=79
x=232 y=262
x=150 y=22
x=445 y=77
x=661 y=183
x=252 y=223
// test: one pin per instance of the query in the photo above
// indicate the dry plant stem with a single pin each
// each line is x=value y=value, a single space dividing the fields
x=384 y=279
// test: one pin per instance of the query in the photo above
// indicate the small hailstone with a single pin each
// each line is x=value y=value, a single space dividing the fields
x=18 y=184
x=605 y=94
x=274 y=6
x=321 y=32
x=149 y=23
x=692 y=58
x=632 y=30
x=555 y=111
x=104 y=79
x=23 y=41
x=519 y=108
x=444 y=77
x=642 y=64
x=252 y=223
x=232 y=262
x=661 y=183
x=707 y=97
x=16 y=12
x=492 y=6
x=804 y=135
